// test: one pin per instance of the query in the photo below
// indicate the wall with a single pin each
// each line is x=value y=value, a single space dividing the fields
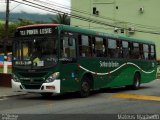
x=123 y=14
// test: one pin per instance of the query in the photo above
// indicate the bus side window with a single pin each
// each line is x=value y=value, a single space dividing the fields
x=84 y=46
x=146 y=51
x=119 y=49
x=112 y=48
x=99 y=47
x=69 y=47
x=141 y=51
x=135 y=51
x=105 y=47
x=152 y=52
x=125 y=49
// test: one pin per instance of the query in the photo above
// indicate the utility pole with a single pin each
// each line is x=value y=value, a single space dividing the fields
x=5 y=40
x=6 y=27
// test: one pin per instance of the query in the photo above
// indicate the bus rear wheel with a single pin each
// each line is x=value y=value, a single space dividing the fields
x=85 y=87
x=136 y=81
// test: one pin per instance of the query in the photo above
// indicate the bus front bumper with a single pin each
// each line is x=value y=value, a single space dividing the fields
x=52 y=87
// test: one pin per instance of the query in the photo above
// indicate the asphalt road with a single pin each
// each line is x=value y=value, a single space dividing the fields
x=146 y=100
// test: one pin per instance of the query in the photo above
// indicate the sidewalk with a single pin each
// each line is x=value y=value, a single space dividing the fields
x=8 y=92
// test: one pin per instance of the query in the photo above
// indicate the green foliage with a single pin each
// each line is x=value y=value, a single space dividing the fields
x=1 y=30
x=23 y=22
x=13 y=26
x=61 y=19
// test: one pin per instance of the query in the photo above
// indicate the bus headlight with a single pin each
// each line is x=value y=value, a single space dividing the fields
x=15 y=78
x=52 y=77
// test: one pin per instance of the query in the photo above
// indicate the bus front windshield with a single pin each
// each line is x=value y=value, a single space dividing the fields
x=35 y=52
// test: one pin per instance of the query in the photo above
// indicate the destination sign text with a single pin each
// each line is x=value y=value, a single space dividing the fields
x=41 y=31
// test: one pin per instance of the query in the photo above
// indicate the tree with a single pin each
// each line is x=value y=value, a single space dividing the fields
x=23 y=22
x=11 y=29
x=61 y=19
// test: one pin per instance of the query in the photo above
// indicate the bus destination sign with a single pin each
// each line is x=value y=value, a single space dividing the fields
x=35 y=31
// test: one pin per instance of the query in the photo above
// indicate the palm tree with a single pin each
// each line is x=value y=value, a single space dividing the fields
x=61 y=19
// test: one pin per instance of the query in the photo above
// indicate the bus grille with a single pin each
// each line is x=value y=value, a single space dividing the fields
x=36 y=74
x=32 y=86
x=33 y=81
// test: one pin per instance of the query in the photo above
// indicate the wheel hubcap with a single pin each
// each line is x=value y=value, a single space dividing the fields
x=137 y=82
x=85 y=87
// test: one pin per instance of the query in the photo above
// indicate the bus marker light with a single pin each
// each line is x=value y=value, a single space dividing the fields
x=50 y=87
x=78 y=65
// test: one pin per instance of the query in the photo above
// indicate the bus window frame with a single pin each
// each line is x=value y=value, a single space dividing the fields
x=154 y=51
x=103 y=39
x=109 y=54
x=134 y=52
x=144 y=51
x=74 y=35
x=79 y=44
x=141 y=51
x=129 y=50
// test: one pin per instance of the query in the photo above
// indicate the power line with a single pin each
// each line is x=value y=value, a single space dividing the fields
x=155 y=32
x=73 y=15
x=103 y=17
x=150 y=28
x=15 y=7
x=84 y=18
x=33 y=6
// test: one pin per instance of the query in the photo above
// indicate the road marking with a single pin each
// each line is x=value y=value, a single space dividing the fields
x=136 y=96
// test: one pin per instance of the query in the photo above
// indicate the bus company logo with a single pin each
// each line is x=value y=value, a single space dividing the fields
x=109 y=64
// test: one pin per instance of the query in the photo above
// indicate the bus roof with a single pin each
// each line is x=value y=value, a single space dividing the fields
x=89 y=32
x=38 y=25
x=92 y=32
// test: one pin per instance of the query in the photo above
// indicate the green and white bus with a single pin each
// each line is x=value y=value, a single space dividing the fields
x=50 y=58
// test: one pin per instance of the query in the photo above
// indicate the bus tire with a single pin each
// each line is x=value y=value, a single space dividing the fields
x=46 y=95
x=85 y=87
x=136 y=81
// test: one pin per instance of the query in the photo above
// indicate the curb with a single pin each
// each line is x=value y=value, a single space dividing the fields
x=14 y=95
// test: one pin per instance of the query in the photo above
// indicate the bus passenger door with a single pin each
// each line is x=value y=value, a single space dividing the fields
x=68 y=59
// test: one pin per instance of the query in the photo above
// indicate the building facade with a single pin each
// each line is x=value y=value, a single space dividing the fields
x=132 y=18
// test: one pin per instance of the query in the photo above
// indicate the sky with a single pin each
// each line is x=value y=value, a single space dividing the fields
x=18 y=8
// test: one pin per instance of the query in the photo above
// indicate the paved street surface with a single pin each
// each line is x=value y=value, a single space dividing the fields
x=8 y=92
x=108 y=101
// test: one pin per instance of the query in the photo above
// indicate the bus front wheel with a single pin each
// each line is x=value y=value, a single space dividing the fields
x=85 y=87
